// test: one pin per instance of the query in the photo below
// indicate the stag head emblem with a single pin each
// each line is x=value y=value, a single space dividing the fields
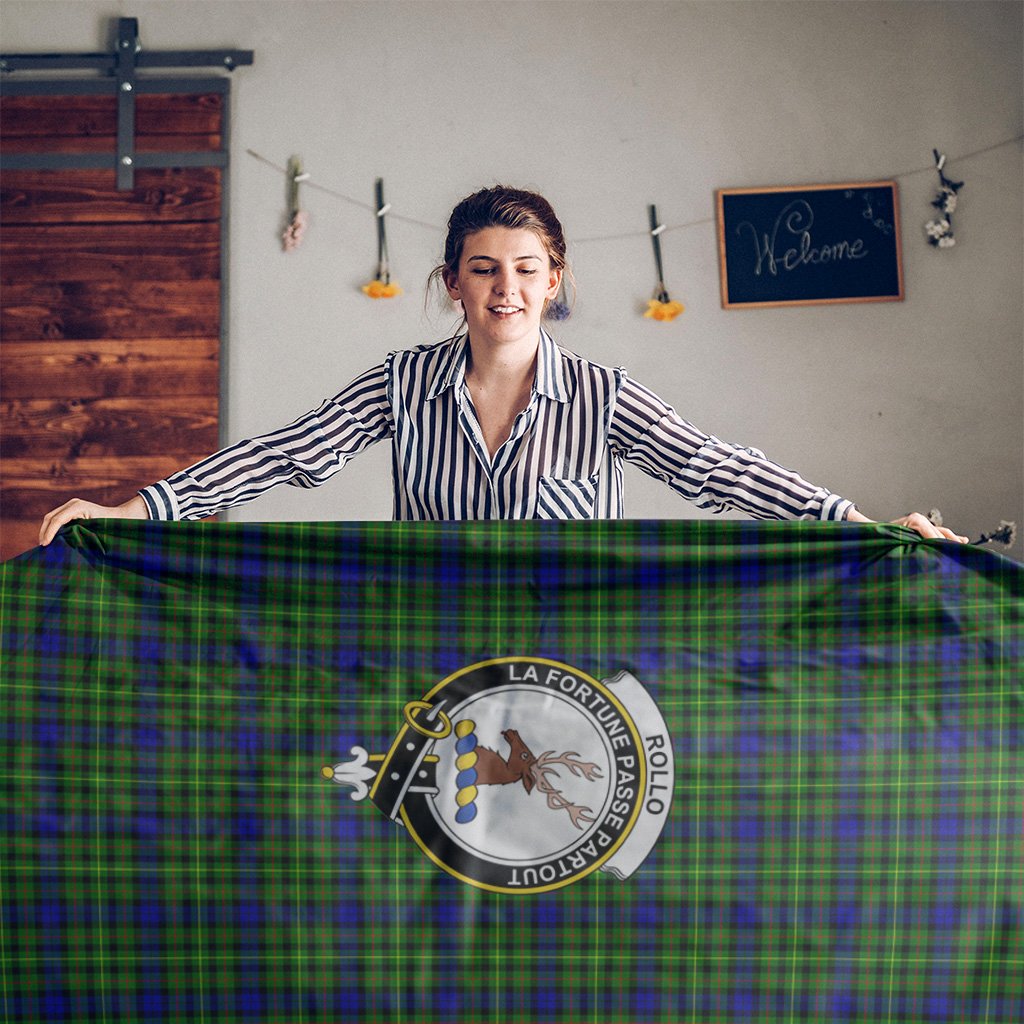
x=520 y=765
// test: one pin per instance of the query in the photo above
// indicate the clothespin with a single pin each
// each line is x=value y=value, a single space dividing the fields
x=295 y=177
x=940 y=163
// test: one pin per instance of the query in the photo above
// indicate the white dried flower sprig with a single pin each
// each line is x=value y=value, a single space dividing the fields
x=1005 y=534
x=940 y=231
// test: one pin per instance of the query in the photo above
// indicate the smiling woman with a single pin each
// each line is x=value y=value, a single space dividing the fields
x=514 y=210
x=496 y=422
x=504 y=280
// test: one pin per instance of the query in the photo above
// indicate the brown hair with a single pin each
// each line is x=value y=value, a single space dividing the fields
x=501 y=207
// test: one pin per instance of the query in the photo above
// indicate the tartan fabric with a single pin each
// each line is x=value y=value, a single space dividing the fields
x=846 y=839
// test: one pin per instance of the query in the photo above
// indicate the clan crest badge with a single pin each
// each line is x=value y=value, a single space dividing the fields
x=522 y=775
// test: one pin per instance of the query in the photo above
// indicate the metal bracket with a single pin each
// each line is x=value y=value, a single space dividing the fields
x=123 y=65
x=128 y=46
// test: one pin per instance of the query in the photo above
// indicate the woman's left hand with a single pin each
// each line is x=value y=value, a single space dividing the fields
x=915 y=521
x=924 y=526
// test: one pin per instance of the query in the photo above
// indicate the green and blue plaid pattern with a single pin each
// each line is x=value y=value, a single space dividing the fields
x=846 y=842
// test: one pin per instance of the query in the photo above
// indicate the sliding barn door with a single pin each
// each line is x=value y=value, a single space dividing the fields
x=111 y=303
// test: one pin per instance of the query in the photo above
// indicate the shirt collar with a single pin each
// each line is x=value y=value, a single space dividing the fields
x=550 y=378
x=451 y=370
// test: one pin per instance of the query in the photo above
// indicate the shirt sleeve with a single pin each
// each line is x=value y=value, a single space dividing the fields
x=304 y=453
x=711 y=473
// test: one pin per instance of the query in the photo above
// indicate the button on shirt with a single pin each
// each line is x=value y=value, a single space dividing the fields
x=562 y=460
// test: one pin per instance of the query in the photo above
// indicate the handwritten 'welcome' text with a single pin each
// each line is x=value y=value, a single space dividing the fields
x=796 y=221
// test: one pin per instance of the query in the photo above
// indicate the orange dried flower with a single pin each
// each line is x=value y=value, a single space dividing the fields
x=380 y=290
x=665 y=311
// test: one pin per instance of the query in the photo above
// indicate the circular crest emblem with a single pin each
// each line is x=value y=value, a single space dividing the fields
x=522 y=775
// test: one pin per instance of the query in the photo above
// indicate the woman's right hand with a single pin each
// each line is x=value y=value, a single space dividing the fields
x=76 y=508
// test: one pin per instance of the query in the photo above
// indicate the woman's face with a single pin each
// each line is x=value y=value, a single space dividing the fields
x=504 y=280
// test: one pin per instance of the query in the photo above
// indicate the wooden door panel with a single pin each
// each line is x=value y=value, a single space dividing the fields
x=97 y=252
x=54 y=429
x=77 y=117
x=110 y=369
x=81 y=197
x=121 y=309
x=111 y=305
x=30 y=482
x=16 y=535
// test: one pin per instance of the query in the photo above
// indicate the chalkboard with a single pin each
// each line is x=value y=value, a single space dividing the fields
x=814 y=244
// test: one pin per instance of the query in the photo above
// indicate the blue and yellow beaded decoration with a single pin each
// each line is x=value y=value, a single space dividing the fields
x=465 y=747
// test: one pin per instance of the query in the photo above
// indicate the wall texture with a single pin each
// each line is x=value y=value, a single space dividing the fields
x=606 y=107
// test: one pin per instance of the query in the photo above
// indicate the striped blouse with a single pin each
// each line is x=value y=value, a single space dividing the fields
x=562 y=460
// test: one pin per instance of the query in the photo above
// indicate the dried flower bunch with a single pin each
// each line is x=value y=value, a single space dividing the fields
x=940 y=231
x=1005 y=533
x=381 y=287
x=559 y=308
x=292 y=236
x=298 y=218
x=660 y=307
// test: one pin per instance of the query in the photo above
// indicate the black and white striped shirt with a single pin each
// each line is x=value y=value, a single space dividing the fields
x=562 y=459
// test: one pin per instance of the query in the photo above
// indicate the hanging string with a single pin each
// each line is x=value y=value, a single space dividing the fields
x=965 y=156
x=310 y=183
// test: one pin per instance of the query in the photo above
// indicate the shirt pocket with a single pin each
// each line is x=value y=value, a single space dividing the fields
x=566 y=498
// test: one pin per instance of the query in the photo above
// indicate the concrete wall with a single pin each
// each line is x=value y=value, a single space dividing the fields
x=606 y=107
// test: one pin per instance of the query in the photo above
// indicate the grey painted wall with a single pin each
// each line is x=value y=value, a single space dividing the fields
x=606 y=107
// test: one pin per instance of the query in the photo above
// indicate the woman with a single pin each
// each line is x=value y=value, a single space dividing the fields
x=498 y=422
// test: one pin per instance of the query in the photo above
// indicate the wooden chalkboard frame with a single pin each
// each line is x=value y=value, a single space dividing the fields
x=879 y=281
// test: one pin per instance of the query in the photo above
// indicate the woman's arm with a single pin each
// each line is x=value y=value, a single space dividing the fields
x=76 y=508
x=304 y=453
x=715 y=474
x=712 y=473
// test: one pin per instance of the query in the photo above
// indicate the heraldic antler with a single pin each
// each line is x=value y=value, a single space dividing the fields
x=544 y=766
